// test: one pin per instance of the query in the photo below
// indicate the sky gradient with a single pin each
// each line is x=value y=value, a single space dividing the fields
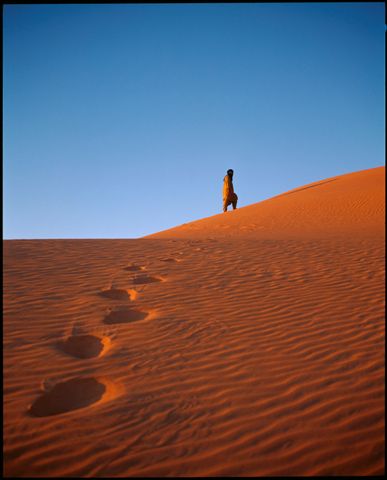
x=121 y=120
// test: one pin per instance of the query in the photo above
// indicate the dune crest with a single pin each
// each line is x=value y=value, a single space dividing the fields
x=351 y=203
x=249 y=343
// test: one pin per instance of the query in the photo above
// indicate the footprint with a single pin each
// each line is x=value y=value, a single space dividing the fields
x=115 y=294
x=134 y=268
x=67 y=396
x=84 y=346
x=125 y=315
x=170 y=260
x=143 y=279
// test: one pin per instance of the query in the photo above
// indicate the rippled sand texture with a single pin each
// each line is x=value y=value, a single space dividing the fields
x=248 y=343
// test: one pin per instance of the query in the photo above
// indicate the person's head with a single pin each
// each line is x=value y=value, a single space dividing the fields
x=230 y=172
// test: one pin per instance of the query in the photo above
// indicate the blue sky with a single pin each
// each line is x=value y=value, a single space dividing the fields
x=121 y=120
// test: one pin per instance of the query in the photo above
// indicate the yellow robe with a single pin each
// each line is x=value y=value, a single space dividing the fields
x=228 y=192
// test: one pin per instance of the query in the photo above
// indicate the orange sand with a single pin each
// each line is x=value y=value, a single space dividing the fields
x=248 y=343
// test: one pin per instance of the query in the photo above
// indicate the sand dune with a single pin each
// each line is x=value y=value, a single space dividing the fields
x=349 y=203
x=247 y=343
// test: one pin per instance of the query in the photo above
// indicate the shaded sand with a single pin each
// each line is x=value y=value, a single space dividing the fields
x=82 y=346
x=134 y=268
x=262 y=352
x=67 y=396
x=124 y=315
x=143 y=279
x=115 y=294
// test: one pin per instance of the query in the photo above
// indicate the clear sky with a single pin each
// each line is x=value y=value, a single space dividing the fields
x=120 y=120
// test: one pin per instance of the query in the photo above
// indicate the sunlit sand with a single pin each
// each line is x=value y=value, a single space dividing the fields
x=247 y=343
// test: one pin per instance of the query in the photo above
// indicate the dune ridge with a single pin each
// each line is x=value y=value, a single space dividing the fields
x=247 y=343
x=353 y=202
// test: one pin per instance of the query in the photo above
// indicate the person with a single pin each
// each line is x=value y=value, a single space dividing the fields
x=229 y=196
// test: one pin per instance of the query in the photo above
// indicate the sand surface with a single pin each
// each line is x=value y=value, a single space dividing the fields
x=248 y=343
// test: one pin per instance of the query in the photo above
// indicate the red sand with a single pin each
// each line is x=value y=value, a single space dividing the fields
x=248 y=343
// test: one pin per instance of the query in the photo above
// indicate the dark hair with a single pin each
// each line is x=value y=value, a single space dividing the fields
x=230 y=170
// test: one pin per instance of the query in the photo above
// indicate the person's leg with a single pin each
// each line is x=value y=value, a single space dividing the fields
x=234 y=201
x=226 y=203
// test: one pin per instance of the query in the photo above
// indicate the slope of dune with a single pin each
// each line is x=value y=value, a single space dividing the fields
x=348 y=203
x=247 y=343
